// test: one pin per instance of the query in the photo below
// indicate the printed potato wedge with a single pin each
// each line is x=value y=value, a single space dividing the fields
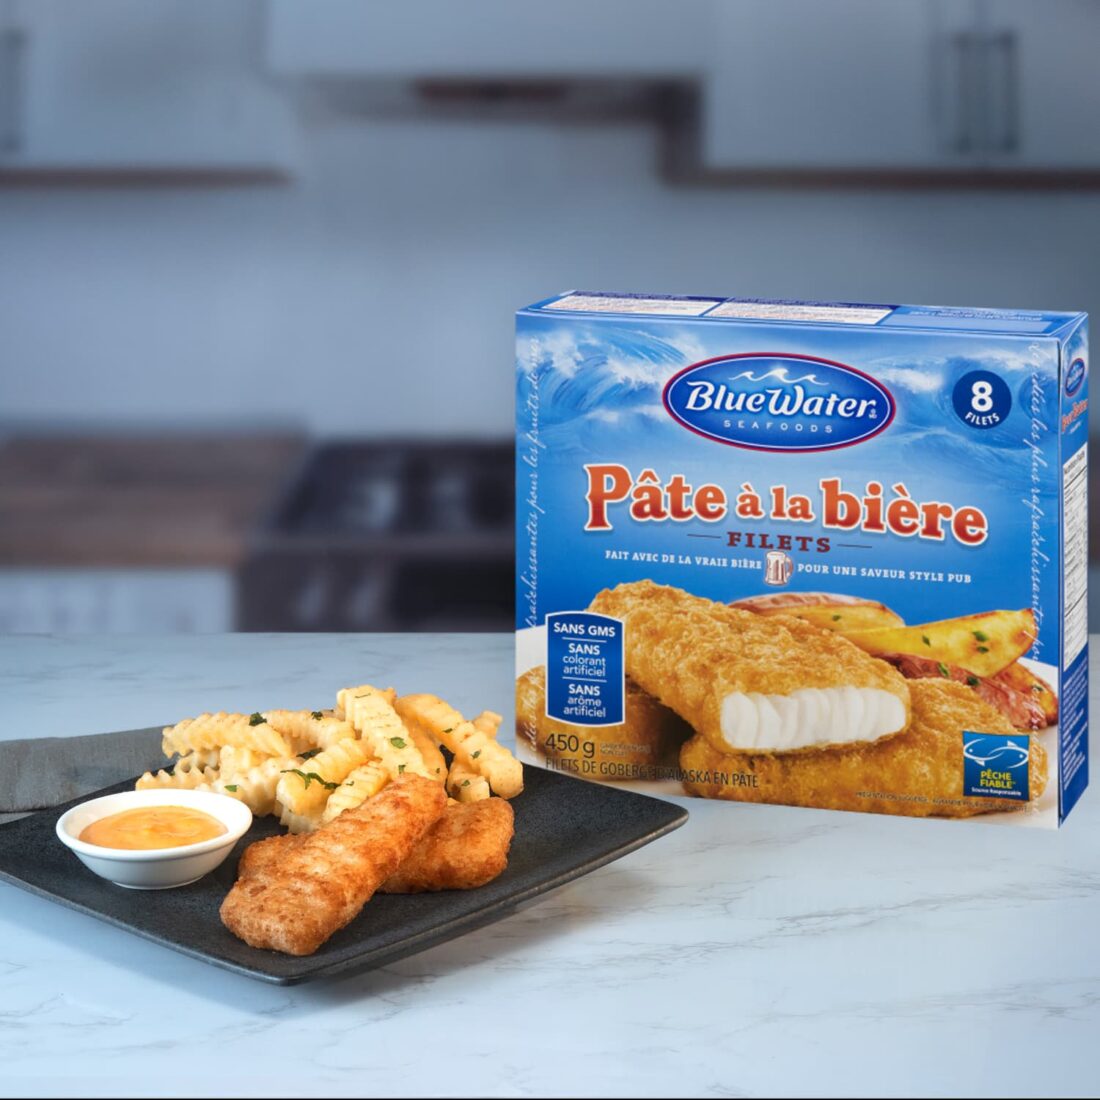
x=983 y=644
x=830 y=610
x=1022 y=679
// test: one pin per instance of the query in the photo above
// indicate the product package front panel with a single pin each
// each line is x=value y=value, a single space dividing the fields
x=823 y=555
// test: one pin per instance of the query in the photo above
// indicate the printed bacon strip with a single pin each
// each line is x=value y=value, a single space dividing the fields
x=1022 y=710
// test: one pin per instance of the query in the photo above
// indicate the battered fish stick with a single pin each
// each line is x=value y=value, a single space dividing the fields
x=262 y=854
x=749 y=682
x=919 y=773
x=322 y=880
x=466 y=848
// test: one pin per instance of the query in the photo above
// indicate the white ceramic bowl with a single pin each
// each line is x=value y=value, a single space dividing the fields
x=157 y=868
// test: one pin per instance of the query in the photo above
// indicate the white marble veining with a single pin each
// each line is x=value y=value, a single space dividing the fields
x=758 y=951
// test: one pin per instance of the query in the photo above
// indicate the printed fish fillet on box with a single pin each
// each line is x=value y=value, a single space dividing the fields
x=816 y=554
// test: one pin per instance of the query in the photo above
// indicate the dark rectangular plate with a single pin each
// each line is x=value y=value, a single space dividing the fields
x=565 y=828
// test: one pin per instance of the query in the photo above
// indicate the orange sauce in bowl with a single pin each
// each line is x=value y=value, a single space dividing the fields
x=148 y=827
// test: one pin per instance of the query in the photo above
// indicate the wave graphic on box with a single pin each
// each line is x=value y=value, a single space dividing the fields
x=779 y=374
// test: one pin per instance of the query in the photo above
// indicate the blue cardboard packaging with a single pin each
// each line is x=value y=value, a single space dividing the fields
x=816 y=554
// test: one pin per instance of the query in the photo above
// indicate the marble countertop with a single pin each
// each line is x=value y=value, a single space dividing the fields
x=758 y=951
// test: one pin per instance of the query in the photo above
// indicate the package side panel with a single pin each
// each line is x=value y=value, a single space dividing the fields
x=528 y=455
x=528 y=639
x=1073 y=428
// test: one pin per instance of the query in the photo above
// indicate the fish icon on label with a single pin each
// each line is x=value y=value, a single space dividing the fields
x=778 y=568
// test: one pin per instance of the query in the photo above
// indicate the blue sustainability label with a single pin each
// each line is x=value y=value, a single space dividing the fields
x=995 y=765
x=584 y=668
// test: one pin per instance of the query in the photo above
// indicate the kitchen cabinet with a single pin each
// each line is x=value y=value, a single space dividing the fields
x=795 y=84
x=921 y=86
x=1044 y=92
x=947 y=89
x=489 y=38
x=124 y=85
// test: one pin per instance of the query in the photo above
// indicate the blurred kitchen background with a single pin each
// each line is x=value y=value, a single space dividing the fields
x=259 y=258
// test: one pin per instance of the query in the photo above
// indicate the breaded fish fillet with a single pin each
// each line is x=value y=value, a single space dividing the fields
x=320 y=883
x=919 y=773
x=466 y=848
x=749 y=682
x=650 y=737
x=261 y=854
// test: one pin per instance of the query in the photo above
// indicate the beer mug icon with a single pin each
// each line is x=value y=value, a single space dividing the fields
x=778 y=567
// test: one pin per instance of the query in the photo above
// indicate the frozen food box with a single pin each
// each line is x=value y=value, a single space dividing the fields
x=816 y=554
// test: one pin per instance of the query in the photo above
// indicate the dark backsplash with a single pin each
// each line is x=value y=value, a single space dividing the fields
x=387 y=536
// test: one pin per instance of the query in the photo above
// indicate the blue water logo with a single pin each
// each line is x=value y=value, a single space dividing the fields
x=766 y=401
x=1075 y=376
x=995 y=765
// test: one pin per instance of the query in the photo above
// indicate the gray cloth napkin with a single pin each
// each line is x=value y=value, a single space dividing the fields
x=40 y=772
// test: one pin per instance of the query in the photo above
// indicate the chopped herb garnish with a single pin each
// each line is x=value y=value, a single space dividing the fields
x=972 y=681
x=924 y=638
x=397 y=742
x=401 y=769
x=836 y=618
x=364 y=695
x=983 y=649
x=316 y=714
x=475 y=755
x=350 y=783
x=1036 y=687
x=465 y=782
x=980 y=636
x=311 y=777
x=449 y=729
x=231 y=787
x=945 y=672
x=256 y=719
x=309 y=754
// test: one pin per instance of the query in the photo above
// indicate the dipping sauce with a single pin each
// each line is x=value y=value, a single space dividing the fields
x=153 y=827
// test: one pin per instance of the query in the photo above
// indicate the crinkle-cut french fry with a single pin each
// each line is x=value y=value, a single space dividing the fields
x=189 y=772
x=488 y=722
x=389 y=694
x=312 y=729
x=203 y=758
x=195 y=762
x=208 y=731
x=255 y=787
x=371 y=712
x=306 y=786
x=472 y=748
x=169 y=781
x=200 y=758
x=465 y=785
x=362 y=783
x=234 y=760
x=429 y=751
x=297 y=823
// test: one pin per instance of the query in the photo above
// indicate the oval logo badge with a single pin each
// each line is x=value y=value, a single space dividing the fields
x=770 y=401
x=1075 y=376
